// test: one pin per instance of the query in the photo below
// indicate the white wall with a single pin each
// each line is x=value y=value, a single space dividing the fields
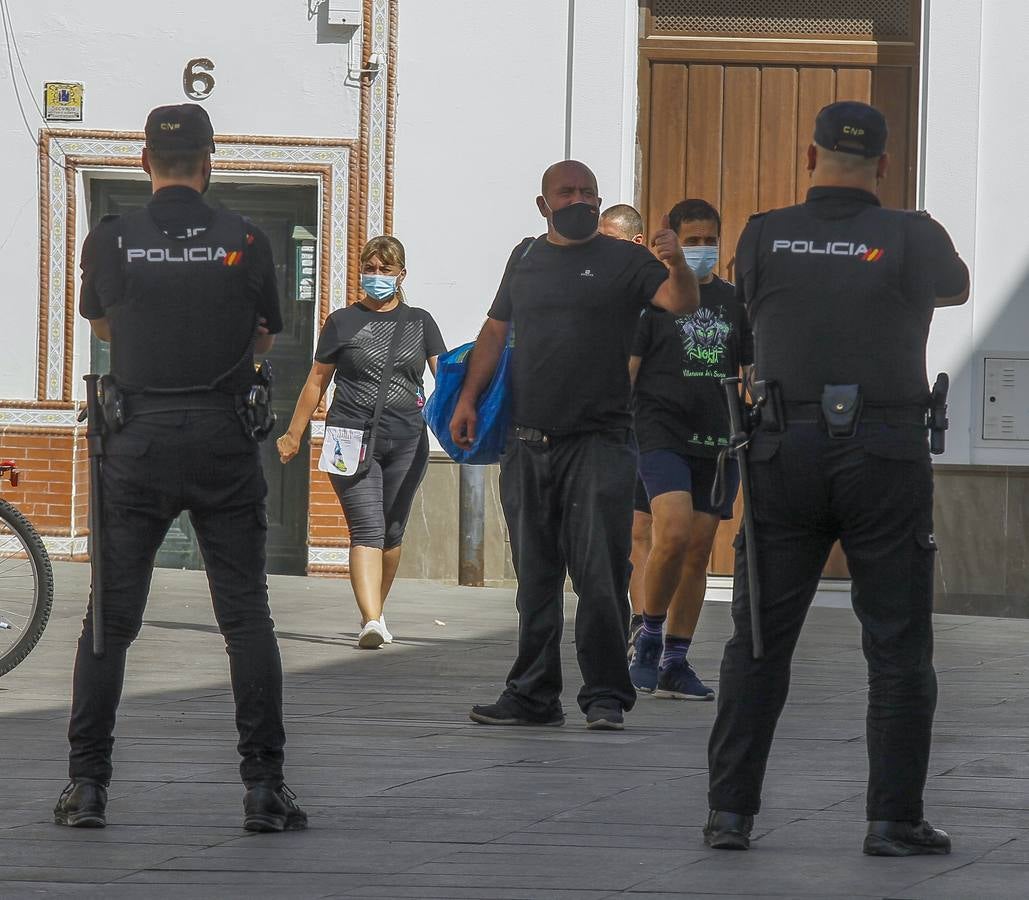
x=483 y=108
x=1001 y=312
x=273 y=77
x=976 y=184
x=949 y=158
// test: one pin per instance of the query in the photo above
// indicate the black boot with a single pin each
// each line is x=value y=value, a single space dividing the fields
x=886 y=838
x=728 y=831
x=270 y=808
x=82 y=804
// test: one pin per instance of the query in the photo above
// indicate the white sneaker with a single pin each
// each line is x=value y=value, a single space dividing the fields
x=387 y=638
x=371 y=636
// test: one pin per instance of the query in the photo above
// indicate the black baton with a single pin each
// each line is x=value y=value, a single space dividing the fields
x=95 y=448
x=738 y=441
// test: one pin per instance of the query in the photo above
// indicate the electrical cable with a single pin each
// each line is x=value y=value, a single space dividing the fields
x=9 y=41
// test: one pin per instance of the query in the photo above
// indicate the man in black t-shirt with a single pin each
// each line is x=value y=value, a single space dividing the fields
x=185 y=294
x=573 y=298
x=682 y=424
x=840 y=293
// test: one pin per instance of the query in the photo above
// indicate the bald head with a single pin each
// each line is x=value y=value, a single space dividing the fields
x=622 y=221
x=569 y=191
x=568 y=171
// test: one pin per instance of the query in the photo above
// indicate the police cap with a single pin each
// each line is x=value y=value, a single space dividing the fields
x=185 y=126
x=851 y=127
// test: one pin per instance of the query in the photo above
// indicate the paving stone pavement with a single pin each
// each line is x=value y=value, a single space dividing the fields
x=408 y=799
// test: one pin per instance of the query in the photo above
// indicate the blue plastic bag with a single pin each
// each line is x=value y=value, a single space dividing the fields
x=494 y=407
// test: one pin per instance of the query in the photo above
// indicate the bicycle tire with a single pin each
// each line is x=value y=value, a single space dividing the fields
x=43 y=575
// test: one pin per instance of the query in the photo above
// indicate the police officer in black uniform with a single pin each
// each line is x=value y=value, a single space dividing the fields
x=185 y=294
x=841 y=294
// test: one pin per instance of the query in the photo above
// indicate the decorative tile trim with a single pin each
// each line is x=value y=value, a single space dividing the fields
x=378 y=120
x=64 y=547
x=328 y=556
x=332 y=160
x=60 y=420
x=378 y=101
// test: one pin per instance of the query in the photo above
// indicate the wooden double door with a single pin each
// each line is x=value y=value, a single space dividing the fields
x=726 y=115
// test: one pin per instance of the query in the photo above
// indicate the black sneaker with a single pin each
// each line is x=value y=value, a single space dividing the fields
x=82 y=804
x=267 y=808
x=680 y=682
x=504 y=712
x=645 y=661
x=886 y=838
x=728 y=831
x=604 y=718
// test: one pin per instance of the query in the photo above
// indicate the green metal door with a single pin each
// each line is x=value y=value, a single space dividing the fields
x=283 y=212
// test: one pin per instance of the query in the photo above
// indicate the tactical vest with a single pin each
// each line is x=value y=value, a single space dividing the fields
x=829 y=306
x=187 y=312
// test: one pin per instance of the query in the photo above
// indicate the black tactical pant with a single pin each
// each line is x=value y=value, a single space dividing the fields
x=874 y=492
x=568 y=505
x=157 y=466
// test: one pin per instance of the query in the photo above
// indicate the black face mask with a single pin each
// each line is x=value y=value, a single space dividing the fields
x=577 y=221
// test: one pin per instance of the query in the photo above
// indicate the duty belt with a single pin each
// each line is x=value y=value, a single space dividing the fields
x=147 y=404
x=909 y=414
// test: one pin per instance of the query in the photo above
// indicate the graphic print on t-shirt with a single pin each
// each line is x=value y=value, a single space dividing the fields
x=705 y=337
x=680 y=403
x=369 y=356
x=357 y=342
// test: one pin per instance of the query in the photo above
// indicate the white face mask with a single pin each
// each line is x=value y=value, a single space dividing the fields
x=701 y=259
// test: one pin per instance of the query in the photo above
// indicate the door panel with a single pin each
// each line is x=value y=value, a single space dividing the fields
x=670 y=97
x=276 y=210
x=704 y=133
x=740 y=177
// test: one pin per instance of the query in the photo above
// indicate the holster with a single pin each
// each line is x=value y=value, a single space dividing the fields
x=255 y=409
x=112 y=405
x=938 y=422
x=767 y=409
x=841 y=409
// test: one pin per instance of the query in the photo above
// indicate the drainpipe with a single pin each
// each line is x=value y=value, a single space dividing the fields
x=569 y=60
x=471 y=558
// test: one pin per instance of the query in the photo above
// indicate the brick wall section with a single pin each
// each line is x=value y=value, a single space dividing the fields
x=44 y=458
x=53 y=490
x=80 y=502
x=327 y=527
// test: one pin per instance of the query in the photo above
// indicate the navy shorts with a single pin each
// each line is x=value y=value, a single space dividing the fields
x=641 y=502
x=664 y=471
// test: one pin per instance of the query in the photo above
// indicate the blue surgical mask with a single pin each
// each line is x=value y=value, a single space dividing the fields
x=701 y=259
x=379 y=287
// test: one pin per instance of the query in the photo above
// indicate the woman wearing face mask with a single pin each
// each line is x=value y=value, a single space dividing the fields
x=355 y=349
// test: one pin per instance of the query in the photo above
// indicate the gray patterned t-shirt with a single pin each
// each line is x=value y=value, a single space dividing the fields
x=356 y=340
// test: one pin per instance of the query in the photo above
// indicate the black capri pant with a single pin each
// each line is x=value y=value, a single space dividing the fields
x=377 y=503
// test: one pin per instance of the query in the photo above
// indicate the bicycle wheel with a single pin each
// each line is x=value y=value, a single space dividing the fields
x=26 y=587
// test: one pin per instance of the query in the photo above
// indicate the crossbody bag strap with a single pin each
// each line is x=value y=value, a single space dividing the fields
x=387 y=374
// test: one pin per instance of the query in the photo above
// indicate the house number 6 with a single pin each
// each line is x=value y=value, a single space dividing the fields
x=197 y=80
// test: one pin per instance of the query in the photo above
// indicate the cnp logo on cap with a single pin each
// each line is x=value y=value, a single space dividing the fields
x=851 y=127
x=185 y=126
